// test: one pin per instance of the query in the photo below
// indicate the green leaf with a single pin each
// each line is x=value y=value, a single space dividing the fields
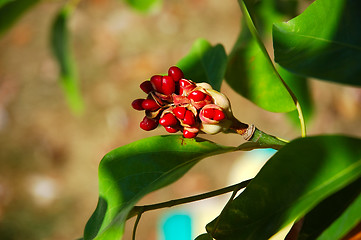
x=250 y=74
x=144 y=5
x=296 y=179
x=326 y=212
x=11 y=11
x=128 y=173
x=205 y=63
x=323 y=42
x=204 y=236
x=249 y=71
x=3 y=2
x=60 y=45
x=344 y=224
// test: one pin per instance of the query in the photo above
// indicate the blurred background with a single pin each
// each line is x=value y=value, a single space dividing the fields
x=49 y=156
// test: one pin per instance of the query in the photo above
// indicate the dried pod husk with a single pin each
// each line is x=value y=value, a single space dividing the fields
x=159 y=101
x=163 y=97
x=154 y=114
x=167 y=110
x=186 y=86
x=180 y=100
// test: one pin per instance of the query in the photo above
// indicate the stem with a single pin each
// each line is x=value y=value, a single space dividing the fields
x=225 y=207
x=141 y=209
x=264 y=139
x=136 y=225
x=253 y=134
x=255 y=34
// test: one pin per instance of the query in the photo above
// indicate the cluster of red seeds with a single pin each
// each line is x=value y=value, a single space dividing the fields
x=176 y=103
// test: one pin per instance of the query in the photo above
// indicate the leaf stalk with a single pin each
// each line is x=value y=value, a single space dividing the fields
x=255 y=34
x=137 y=210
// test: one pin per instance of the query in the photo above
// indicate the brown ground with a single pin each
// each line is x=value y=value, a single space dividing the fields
x=49 y=157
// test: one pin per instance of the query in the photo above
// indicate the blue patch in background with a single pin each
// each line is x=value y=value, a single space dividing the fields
x=176 y=226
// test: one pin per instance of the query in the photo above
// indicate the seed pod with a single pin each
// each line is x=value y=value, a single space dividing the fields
x=211 y=114
x=204 y=85
x=222 y=101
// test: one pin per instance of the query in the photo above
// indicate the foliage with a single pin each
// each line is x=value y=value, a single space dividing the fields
x=60 y=45
x=314 y=180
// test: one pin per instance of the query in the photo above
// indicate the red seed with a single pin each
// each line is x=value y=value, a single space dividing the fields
x=189 y=118
x=179 y=112
x=150 y=104
x=146 y=86
x=185 y=84
x=171 y=129
x=137 y=104
x=148 y=124
x=168 y=85
x=208 y=113
x=168 y=120
x=188 y=134
x=156 y=82
x=218 y=115
x=176 y=73
x=197 y=96
x=208 y=98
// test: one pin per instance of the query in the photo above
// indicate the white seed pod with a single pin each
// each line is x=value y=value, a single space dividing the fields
x=210 y=128
x=222 y=101
x=205 y=119
x=204 y=85
x=215 y=128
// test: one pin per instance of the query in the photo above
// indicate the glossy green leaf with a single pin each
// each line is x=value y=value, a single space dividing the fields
x=249 y=71
x=296 y=179
x=349 y=219
x=332 y=208
x=205 y=63
x=323 y=42
x=204 y=236
x=60 y=45
x=250 y=74
x=144 y=5
x=11 y=11
x=128 y=173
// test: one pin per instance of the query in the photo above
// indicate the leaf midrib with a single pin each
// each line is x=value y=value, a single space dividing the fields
x=319 y=39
